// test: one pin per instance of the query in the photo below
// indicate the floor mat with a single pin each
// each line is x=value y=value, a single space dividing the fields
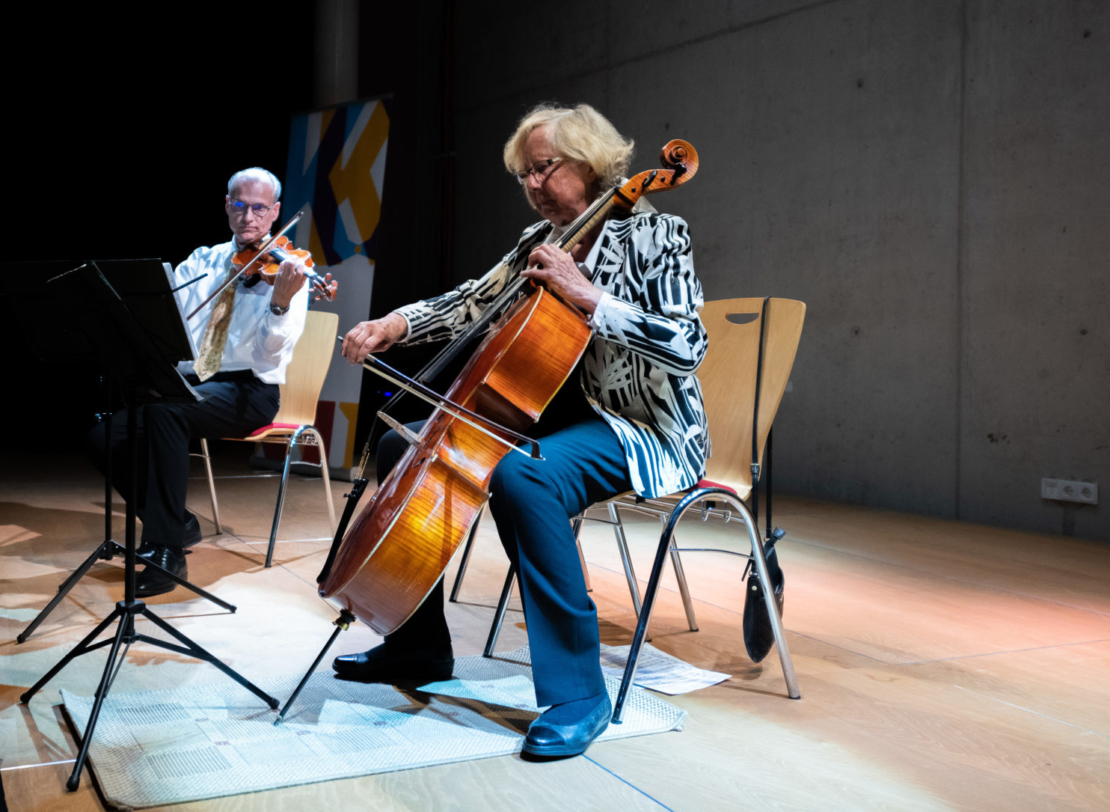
x=199 y=742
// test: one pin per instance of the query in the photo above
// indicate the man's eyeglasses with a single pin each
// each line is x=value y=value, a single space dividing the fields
x=240 y=208
x=539 y=169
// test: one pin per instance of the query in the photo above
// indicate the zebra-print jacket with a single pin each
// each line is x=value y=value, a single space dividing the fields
x=638 y=372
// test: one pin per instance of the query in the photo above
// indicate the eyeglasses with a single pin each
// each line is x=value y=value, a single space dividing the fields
x=539 y=169
x=240 y=208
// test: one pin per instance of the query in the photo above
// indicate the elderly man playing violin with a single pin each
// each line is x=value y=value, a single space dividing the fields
x=630 y=417
x=245 y=338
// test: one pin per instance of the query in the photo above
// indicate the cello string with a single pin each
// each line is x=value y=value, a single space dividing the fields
x=455 y=410
x=567 y=241
x=574 y=233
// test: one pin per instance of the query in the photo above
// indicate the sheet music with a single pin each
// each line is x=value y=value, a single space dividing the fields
x=181 y=312
x=658 y=670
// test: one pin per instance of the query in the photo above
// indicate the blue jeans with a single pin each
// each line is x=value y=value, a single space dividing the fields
x=532 y=502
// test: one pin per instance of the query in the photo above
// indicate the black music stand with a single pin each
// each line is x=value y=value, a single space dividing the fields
x=144 y=376
x=144 y=285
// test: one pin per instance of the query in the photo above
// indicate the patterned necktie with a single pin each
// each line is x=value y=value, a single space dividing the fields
x=211 y=352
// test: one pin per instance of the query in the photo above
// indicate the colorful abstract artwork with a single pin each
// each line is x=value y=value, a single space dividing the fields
x=335 y=174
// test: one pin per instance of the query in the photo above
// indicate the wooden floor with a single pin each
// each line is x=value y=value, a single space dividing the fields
x=942 y=665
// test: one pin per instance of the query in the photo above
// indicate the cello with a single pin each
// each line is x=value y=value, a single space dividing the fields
x=382 y=568
x=398 y=548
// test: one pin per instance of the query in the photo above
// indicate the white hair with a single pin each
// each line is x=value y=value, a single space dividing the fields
x=255 y=173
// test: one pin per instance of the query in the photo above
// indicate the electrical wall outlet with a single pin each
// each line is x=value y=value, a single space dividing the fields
x=1064 y=490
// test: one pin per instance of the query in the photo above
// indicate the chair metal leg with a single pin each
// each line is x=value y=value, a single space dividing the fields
x=211 y=485
x=280 y=500
x=464 y=559
x=499 y=615
x=626 y=558
x=772 y=605
x=665 y=545
x=315 y=434
x=641 y=627
x=576 y=526
x=683 y=589
x=295 y=439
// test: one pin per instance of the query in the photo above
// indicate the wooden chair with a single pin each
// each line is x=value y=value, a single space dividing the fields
x=293 y=424
x=752 y=345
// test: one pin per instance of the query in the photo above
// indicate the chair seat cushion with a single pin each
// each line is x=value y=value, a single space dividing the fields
x=272 y=428
x=705 y=483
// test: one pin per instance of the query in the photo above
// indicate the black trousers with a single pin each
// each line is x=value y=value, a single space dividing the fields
x=235 y=404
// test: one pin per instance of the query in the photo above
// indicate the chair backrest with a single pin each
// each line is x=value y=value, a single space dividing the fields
x=304 y=377
x=729 y=374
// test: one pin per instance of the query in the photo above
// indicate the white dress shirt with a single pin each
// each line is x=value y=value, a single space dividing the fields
x=256 y=339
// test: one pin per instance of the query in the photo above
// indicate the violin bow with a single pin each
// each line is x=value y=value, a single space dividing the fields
x=458 y=411
x=243 y=270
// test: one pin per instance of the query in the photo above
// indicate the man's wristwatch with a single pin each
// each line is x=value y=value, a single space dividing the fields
x=278 y=310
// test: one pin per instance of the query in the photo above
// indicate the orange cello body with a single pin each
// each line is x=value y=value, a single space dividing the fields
x=399 y=546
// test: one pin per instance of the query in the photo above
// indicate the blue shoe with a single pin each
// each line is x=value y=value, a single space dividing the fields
x=551 y=740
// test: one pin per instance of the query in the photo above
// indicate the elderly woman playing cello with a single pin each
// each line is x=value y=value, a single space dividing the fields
x=629 y=418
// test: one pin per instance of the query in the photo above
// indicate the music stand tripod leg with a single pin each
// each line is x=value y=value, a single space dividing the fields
x=81 y=648
x=63 y=590
x=124 y=630
x=104 y=551
x=187 y=584
x=195 y=650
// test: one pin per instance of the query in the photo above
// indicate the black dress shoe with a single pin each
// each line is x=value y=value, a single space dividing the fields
x=556 y=741
x=152 y=581
x=413 y=667
x=192 y=536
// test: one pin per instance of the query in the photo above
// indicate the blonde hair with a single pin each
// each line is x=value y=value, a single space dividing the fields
x=580 y=133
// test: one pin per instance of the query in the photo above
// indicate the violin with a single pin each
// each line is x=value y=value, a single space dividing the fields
x=265 y=266
x=265 y=260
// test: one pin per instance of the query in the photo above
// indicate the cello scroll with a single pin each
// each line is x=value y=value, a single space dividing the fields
x=680 y=164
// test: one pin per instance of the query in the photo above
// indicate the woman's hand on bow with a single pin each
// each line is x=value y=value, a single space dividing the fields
x=373 y=336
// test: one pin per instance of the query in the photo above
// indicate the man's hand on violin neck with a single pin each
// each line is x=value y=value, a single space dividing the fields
x=373 y=336
x=289 y=281
x=558 y=271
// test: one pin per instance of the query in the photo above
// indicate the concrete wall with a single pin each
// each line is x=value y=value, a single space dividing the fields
x=931 y=178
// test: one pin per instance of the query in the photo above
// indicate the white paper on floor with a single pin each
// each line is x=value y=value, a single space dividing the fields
x=658 y=670
x=197 y=742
